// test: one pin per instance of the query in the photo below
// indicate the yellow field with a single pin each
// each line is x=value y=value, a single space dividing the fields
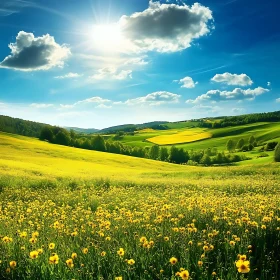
x=187 y=136
x=144 y=220
x=146 y=130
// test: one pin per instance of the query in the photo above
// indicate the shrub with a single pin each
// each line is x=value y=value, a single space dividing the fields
x=277 y=153
x=270 y=146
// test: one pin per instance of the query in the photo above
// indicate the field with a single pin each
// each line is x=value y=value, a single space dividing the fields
x=68 y=213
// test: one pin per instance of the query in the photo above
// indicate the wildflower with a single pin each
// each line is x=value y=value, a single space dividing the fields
x=232 y=243
x=143 y=239
x=103 y=254
x=13 y=264
x=184 y=274
x=40 y=250
x=74 y=255
x=173 y=260
x=243 y=266
x=131 y=262
x=200 y=263
x=85 y=250
x=7 y=239
x=70 y=263
x=166 y=238
x=34 y=254
x=118 y=278
x=54 y=259
x=74 y=233
x=120 y=252
x=51 y=246
x=33 y=240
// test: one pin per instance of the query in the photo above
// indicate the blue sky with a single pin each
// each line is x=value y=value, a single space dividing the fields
x=98 y=63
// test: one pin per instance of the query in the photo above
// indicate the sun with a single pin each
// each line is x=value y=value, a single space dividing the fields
x=107 y=37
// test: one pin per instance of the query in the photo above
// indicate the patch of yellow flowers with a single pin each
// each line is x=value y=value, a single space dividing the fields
x=141 y=233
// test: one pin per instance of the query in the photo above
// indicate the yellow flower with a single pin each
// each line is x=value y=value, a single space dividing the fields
x=232 y=243
x=13 y=264
x=74 y=255
x=7 y=239
x=40 y=250
x=118 y=278
x=74 y=233
x=243 y=266
x=51 y=246
x=242 y=257
x=131 y=262
x=166 y=238
x=120 y=252
x=143 y=239
x=103 y=254
x=34 y=254
x=70 y=263
x=173 y=260
x=184 y=274
x=200 y=263
x=54 y=259
x=85 y=250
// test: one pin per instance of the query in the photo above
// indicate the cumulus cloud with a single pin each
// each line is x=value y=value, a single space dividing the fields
x=166 y=27
x=236 y=94
x=154 y=99
x=136 y=61
x=268 y=84
x=41 y=105
x=112 y=73
x=187 y=82
x=103 y=106
x=69 y=76
x=31 y=53
x=233 y=79
x=92 y=100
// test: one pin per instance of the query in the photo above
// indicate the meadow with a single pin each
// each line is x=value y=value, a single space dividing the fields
x=68 y=213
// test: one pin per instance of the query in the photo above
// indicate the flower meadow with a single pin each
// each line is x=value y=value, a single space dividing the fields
x=208 y=230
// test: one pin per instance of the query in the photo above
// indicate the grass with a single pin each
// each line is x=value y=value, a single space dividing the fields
x=66 y=213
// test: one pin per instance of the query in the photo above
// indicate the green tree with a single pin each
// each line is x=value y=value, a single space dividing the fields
x=240 y=144
x=163 y=154
x=62 y=138
x=46 y=134
x=154 y=152
x=230 y=145
x=98 y=143
x=252 y=139
x=174 y=154
x=277 y=153
x=206 y=160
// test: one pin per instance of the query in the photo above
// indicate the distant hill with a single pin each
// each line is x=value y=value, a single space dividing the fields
x=82 y=130
x=133 y=127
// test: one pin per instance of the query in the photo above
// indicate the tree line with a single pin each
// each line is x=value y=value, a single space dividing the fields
x=241 y=120
x=58 y=135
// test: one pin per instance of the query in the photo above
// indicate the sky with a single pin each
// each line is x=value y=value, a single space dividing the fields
x=100 y=63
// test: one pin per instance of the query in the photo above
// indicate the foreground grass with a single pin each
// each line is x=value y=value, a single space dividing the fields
x=65 y=213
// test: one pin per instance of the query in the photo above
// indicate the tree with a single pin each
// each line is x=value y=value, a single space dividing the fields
x=252 y=139
x=206 y=160
x=240 y=144
x=154 y=152
x=62 y=138
x=173 y=156
x=46 y=134
x=163 y=154
x=98 y=143
x=277 y=153
x=230 y=145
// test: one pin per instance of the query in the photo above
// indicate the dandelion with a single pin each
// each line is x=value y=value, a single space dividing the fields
x=13 y=264
x=70 y=263
x=34 y=254
x=131 y=262
x=185 y=274
x=173 y=260
x=243 y=266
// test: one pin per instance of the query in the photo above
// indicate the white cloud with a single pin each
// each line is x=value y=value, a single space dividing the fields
x=187 y=82
x=103 y=106
x=30 y=53
x=136 y=61
x=238 y=110
x=165 y=27
x=154 y=99
x=233 y=79
x=112 y=73
x=95 y=100
x=69 y=76
x=278 y=100
x=268 y=84
x=236 y=94
x=41 y=105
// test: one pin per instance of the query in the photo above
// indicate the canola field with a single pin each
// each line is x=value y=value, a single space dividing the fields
x=186 y=136
x=141 y=221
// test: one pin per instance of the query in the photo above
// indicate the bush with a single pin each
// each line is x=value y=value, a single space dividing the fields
x=263 y=155
x=277 y=153
x=270 y=146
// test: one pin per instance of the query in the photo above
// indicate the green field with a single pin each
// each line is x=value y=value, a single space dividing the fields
x=68 y=213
